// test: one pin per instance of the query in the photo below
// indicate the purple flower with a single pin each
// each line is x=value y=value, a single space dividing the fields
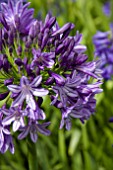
x=18 y=61
x=71 y=56
x=38 y=59
x=103 y=42
x=15 y=115
x=26 y=91
x=63 y=31
x=17 y=15
x=66 y=89
x=8 y=81
x=74 y=87
x=37 y=114
x=5 y=137
x=8 y=144
x=79 y=110
x=3 y=131
x=111 y=119
x=2 y=2
x=43 y=59
x=74 y=97
x=44 y=31
x=4 y=64
x=3 y=95
x=106 y=8
x=33 y=127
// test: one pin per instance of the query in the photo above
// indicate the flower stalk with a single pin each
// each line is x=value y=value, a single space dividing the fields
x=32 y=155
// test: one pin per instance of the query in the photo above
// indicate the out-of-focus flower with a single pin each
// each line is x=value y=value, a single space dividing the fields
x=107 y=8
x=111 y=119
x=103 y=42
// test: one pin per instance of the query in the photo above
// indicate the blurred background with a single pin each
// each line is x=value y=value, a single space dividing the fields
x=86 y=146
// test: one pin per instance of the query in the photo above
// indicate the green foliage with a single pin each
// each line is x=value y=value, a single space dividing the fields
x=86 y=146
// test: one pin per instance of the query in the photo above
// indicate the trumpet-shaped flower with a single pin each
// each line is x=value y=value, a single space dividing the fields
x=33 y=127
x=27 y=90
x=5 y=137
x=15 y=115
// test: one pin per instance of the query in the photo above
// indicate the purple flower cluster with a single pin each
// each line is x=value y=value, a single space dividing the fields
x=39 y=59
x=103 y=42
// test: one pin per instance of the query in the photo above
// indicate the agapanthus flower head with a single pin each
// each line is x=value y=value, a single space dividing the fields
x=38 y=59
x=103 y=42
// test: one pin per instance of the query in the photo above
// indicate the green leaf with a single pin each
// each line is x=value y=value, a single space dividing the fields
x=76 y=134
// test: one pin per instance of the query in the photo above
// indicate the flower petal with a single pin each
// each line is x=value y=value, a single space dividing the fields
x=30 y=101
x=16 y=125
x=39 y=92
x=42 y=129
x=1 y=139
x=33 y=136
x=68 y=124
x=36 y=82
x=6 y=131
x=41 y=115
x=14 y=88
x=24 y=133
x=8 y=120
x=11 y=146
x=24 y=81
x=5 y=111
x=19 y=100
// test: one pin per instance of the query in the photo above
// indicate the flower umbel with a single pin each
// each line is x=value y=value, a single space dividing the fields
x=38 y=59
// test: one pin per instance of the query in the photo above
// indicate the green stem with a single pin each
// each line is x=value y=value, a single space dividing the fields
x=32 y=155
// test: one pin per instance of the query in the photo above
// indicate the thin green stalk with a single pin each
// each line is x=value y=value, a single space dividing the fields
x=32 y=156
